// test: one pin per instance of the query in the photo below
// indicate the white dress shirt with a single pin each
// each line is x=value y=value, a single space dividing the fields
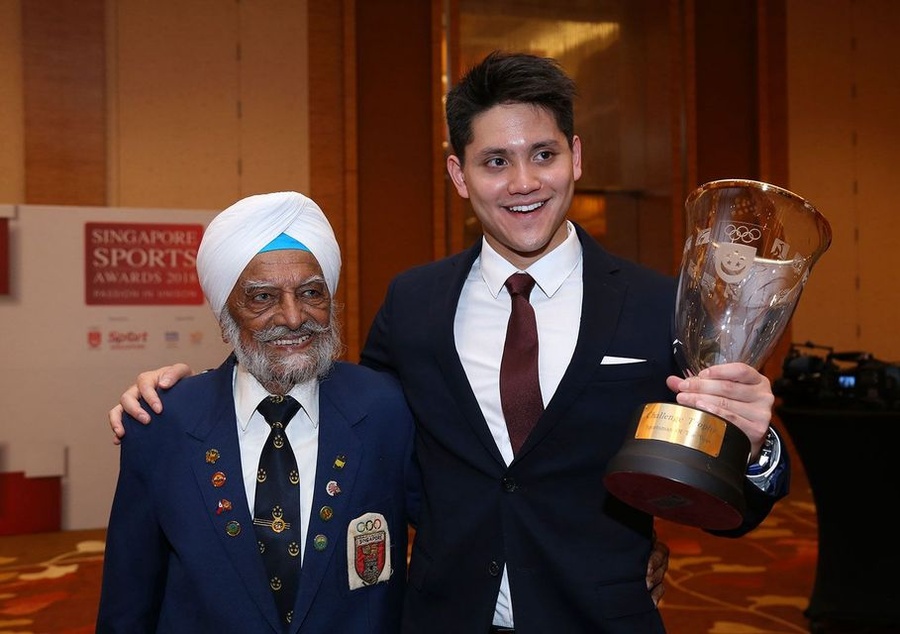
x=302 y=432
x=480 y=331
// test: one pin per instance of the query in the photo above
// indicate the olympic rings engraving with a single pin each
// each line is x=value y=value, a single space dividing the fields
x=739 y=233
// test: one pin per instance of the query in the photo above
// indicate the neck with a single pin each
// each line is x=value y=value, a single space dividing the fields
x=278 y=388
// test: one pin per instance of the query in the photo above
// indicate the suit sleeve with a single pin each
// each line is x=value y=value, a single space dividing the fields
x=759 y=502
x=134 y=567
x=376 y=351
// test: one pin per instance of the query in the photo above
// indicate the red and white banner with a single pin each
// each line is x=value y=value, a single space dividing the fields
x=141 y=264
x=96 y=295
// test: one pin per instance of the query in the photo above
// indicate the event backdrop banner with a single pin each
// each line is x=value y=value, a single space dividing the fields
x=97 y=294
x=141 y=263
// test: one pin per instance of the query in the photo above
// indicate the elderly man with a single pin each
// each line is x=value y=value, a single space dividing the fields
x=275 y=496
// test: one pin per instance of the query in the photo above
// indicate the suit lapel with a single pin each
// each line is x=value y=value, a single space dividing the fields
x=338 y=461
x=603 y=297
x=216 y=460
x=442 y=313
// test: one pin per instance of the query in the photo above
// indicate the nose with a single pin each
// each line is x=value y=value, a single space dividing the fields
x=291 y=312
x=523 y=179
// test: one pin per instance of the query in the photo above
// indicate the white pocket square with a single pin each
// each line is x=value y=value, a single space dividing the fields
x=609 y=360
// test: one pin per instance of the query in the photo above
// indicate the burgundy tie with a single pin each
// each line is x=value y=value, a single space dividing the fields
x=520 y=390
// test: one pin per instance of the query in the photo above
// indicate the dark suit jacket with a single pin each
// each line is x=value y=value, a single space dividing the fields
x=177 y=562
x=576 y=556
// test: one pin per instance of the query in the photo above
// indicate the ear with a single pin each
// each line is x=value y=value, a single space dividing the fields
x=576 y=157
x=454 y=168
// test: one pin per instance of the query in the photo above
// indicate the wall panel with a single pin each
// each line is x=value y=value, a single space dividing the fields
x=877 y=96
x=274 y=94
x=844 y=145
x=12 y=160
x=64 y=86
x=177 y=86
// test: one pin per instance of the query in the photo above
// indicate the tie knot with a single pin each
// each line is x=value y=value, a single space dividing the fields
x=520 y=284
x=278 y=409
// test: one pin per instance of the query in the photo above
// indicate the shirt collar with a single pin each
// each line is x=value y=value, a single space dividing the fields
x=248 y=392
x=549 y=272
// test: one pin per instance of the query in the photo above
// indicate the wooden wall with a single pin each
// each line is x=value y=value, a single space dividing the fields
x=844 y=149
x=193 y=105
x=164 y=103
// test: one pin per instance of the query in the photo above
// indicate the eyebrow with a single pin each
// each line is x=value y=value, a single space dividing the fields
x=503 y=151
x=257 y=284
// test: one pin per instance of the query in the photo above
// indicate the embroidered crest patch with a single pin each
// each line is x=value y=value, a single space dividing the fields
x=368 y=550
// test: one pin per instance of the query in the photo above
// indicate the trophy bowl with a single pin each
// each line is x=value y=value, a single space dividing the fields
x=748 y=252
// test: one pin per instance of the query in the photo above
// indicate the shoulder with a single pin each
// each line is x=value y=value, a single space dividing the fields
x=598 y=260
x=363 y=387
x=354 y=377
x=447 y=266
x=206 y=383
x=187 y=400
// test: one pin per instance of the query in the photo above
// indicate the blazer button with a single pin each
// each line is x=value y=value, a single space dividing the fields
x=508 y=483
x=494 y=569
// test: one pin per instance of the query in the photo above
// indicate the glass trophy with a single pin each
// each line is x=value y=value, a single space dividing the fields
x=749 y=249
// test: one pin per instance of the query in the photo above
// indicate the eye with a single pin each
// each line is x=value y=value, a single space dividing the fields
x=313 y=294
x=496 y=162
x=544 y=155
x=262 y=298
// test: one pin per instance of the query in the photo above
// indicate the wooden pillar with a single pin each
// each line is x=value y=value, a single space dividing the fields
x=64 y=83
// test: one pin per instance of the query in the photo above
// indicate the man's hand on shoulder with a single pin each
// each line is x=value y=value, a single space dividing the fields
x=145 y=387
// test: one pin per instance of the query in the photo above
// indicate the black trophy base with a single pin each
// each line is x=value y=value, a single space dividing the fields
x=677 y=482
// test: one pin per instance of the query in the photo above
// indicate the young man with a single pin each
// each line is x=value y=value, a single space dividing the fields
x=227 y=521
x=529 y=540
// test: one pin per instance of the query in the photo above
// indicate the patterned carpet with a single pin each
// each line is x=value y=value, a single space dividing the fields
x=50 y=582
x=759 y=584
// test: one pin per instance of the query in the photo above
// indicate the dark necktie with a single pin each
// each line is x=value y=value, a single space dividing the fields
x=276 y=515
x=520 y=390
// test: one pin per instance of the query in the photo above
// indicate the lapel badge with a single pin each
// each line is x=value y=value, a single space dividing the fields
x=233 y=528
x=320 y=542
x=218 y=479
x=224 y=505
x=326 y=513
x=212 y=456
x=340 y=461
x=332 y=488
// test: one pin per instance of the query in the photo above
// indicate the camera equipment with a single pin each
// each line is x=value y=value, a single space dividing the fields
x=817 y=377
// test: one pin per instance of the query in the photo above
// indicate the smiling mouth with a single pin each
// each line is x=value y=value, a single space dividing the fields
x=525 y=209
x=290 y=342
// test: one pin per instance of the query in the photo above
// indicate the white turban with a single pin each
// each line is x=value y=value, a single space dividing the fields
x=237 y=234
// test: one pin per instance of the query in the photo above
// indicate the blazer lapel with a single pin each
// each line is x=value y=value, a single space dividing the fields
x=216 y=462
x=442 y=313
x=602 y=302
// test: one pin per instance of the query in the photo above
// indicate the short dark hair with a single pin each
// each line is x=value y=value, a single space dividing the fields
x=509 y=78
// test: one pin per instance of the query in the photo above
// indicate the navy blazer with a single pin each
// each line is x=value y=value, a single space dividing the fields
x=179 y=560
x=576 y=555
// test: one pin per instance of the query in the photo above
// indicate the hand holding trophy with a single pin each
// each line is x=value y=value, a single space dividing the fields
x=748 y=252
